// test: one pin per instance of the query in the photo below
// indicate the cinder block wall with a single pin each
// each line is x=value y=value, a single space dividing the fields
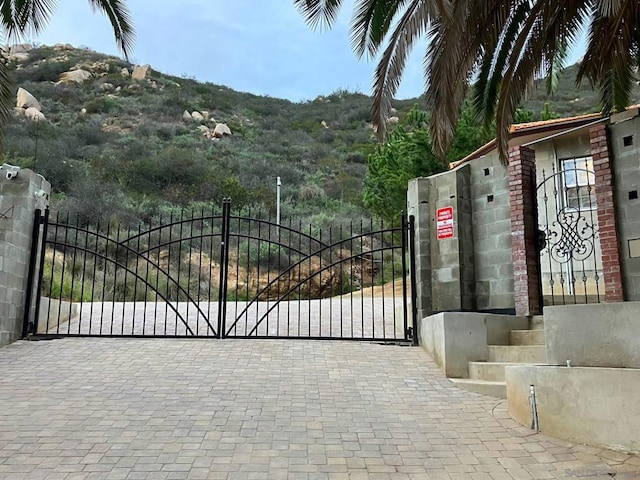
x=474 y=269
x=18 y=202
x=625 y=139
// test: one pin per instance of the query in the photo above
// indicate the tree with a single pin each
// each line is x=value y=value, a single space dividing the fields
x=22 y=17
x=506 y=43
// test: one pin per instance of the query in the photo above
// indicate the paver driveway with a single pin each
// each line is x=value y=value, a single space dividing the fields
x=254 y=409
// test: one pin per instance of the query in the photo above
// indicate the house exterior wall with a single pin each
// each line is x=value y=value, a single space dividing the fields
x=626 y=167
x=475 y=269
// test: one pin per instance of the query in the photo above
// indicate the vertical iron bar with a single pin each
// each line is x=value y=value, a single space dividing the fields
x=35 y=237
x=95 y=269
x=223 y=269
x=64 y=264
x=45 y=229
x=403 y=246
x=414 y=286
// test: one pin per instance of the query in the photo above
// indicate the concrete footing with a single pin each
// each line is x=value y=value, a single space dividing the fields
x=597 y=406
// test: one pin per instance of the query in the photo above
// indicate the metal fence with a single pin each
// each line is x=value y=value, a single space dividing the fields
x=218 y=274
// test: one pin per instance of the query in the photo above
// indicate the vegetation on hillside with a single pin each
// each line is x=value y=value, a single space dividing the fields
x=118 y=148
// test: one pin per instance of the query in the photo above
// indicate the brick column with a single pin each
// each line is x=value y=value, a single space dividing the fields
x=608 y=231
x=524 y=226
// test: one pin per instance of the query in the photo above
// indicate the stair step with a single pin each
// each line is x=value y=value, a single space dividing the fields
x=536 y=322
x=485 y=387
x=526 y=337
x=491 y=371
x=518 y=354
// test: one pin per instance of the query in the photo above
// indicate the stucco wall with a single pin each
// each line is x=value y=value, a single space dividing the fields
x=602 y=335
x=596 y=406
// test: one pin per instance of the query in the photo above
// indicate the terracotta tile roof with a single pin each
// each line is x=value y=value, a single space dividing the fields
x=556 y=122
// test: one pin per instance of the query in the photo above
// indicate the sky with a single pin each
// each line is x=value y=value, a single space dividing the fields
x=258 y=46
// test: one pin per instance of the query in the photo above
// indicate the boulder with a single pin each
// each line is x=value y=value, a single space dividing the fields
x=34 y=114
x=106 y=87
x=197 y=116
x=393 y=120
x=221 y=130
x=18 y=57
x=186 y=116
x=140 y=72
x=125 y=72
x=75 y=76
x=205 y=114
x=21 y=48
x=25 y=100
x=205 y=130
x=19 y=111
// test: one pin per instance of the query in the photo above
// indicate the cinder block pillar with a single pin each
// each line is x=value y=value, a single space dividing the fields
x=20 y=196
x=607 y=225
x=418 y=205
x=524 y=226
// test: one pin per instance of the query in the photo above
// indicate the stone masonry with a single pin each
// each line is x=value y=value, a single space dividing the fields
x=522 y=174
x=20 y=196
x=608 y=229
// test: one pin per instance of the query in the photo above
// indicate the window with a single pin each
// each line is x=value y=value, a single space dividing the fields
x=579 y=183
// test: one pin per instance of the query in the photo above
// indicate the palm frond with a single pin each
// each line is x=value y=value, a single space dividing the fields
x=319 y=14
x=121 y=22
x=25 y=17
x=411 y=26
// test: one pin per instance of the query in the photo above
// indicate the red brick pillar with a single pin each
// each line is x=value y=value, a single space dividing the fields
x=524 y=227
x=605 y=201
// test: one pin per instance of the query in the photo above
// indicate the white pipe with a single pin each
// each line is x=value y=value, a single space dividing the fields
x=278 y=185
x=534 y=409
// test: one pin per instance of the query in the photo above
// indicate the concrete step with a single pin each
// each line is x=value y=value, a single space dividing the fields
x=492 y=389
x=490 y=371
x=536 y=322
x=526 y=337
x=518 y=354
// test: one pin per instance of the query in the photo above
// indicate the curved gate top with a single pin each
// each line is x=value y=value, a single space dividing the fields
x=570 y=260
x=219 y=275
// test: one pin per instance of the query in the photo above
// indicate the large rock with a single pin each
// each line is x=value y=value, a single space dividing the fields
x=25 y=100
x=21 y=48
x=140 y=72
x=18 y=57
x=221 y=130
x=75 y=76
x=197 y=116
x=186 y=116
x=125 y=72
x=34 y=114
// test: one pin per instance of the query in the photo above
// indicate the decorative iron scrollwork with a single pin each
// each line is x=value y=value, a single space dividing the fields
x=571 y=237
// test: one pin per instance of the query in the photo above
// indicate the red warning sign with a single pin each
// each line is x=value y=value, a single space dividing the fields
x=444 y=223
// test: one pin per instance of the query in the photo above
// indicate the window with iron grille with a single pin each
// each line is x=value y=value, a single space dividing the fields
x=579 y=183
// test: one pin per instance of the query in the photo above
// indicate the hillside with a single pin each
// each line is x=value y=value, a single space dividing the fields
x=112 y=145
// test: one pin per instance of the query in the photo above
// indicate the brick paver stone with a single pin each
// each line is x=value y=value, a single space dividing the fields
x=262 y=409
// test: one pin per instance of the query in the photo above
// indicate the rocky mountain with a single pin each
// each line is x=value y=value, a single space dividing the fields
x=124 y=140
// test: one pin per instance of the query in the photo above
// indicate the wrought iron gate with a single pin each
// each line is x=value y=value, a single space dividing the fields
x=570 y=259
x=220 y=275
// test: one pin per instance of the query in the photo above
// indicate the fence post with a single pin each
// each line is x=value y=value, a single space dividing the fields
x=224 y=265
x=35 y=237
x=414 y=283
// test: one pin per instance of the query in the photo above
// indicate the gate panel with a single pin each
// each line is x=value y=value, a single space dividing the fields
x=569 y=245
x=343 y=283
x=113 y=281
